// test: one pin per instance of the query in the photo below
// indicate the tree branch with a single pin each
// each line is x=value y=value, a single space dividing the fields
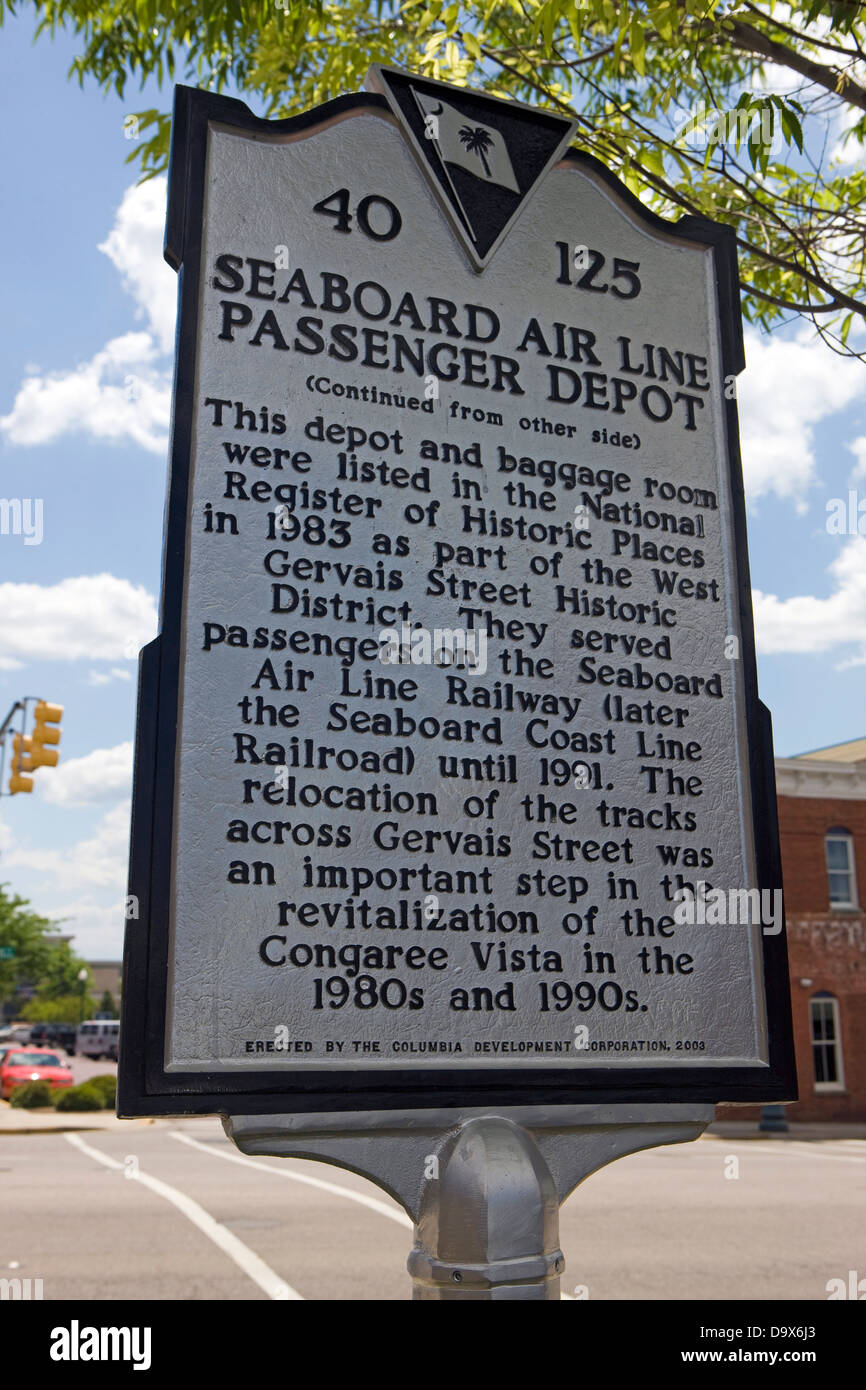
x=831 y=79
x=797 y=34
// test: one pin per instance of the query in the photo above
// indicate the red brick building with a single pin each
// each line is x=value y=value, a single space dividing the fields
x=822 y=823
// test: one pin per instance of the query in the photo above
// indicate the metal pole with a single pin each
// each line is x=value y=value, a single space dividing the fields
x=773 y=1119
x=8 y=720
x=482 y=1189
x=488 y=1223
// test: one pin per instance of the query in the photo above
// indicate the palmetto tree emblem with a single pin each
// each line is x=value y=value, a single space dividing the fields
x=477 y=141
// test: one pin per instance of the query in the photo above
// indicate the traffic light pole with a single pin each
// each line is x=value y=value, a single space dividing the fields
x=19 y=704
x=482 y=1187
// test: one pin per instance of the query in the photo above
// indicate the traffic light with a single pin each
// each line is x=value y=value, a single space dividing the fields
x=30 y=751
x=44 y=717
x=22 y=761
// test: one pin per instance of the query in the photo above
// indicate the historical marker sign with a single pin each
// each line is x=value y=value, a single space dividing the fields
x=452 y=782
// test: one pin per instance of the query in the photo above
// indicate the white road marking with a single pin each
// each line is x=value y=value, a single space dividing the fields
x=245 y=1258
x=393 y=1213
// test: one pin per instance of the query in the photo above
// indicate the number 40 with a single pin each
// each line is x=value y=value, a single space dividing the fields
x=336 y=205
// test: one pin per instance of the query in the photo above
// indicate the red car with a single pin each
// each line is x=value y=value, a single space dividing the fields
x=19 y=1065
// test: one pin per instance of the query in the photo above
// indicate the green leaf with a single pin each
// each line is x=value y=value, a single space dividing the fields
x=637 y=44
x=792 y=127
x=651 y=158
x=636 y=61
x=549 y=17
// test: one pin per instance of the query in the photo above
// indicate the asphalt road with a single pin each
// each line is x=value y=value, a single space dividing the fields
x=171 y=1210
x=85 y=1067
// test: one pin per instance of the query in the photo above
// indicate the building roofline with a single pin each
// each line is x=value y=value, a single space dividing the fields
x=830 y=747
x=834 y=781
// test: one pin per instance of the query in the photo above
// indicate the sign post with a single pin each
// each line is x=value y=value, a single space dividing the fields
x=483 y=1187
x=454 y=833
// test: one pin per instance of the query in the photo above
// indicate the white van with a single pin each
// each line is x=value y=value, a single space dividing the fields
x=98 y=1038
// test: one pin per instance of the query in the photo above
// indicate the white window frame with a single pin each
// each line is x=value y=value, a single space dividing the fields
x=823 y=1087
x=846 y=838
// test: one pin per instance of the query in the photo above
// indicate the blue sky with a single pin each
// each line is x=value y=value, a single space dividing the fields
x=85 y=361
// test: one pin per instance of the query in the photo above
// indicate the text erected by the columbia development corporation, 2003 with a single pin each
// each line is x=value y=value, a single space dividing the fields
x=463 y=711
x=419 y=1047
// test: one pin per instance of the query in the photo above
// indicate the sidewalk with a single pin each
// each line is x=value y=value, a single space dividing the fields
x=15 y=1121
x=733 y=1129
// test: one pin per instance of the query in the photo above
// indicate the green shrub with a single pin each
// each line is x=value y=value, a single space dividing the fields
x=106 y=1084
x=32 y=1095
x=83 y=1097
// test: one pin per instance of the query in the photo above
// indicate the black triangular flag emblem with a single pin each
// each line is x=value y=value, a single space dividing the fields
x=483 y=156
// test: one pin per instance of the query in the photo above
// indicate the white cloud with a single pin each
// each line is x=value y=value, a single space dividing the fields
x=134 y=244
x=809 y=624
x=120 y=394
x=789 y=386
x=94 y=616
x=773 y=79
x=858 y=449
x=124 y=392
x=96 y=927
x=116 y=673
x=102 y=775
x=84 y=884
x=848 y=148
x=99 y=862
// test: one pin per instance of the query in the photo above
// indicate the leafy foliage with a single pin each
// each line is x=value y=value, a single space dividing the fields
x=31 y=954
x=106 y=1085
x=32 y=1095
x=83 y=1097
x=64 y=1008
x=639 y=77
x=107 y=1004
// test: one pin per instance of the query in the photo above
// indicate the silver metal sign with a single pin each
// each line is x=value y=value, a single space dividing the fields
x=452 y=783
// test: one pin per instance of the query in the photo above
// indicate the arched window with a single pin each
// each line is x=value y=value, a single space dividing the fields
x=839 y=848
x=826 y=1042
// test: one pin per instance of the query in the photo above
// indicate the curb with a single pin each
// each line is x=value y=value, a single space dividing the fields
x=110 y=1122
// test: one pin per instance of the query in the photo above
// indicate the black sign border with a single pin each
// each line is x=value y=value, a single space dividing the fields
x=144 y=1087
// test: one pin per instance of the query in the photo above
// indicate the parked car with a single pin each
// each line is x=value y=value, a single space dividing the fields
x=98 y=1038
x=22 y=1064
x=54 y=1035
